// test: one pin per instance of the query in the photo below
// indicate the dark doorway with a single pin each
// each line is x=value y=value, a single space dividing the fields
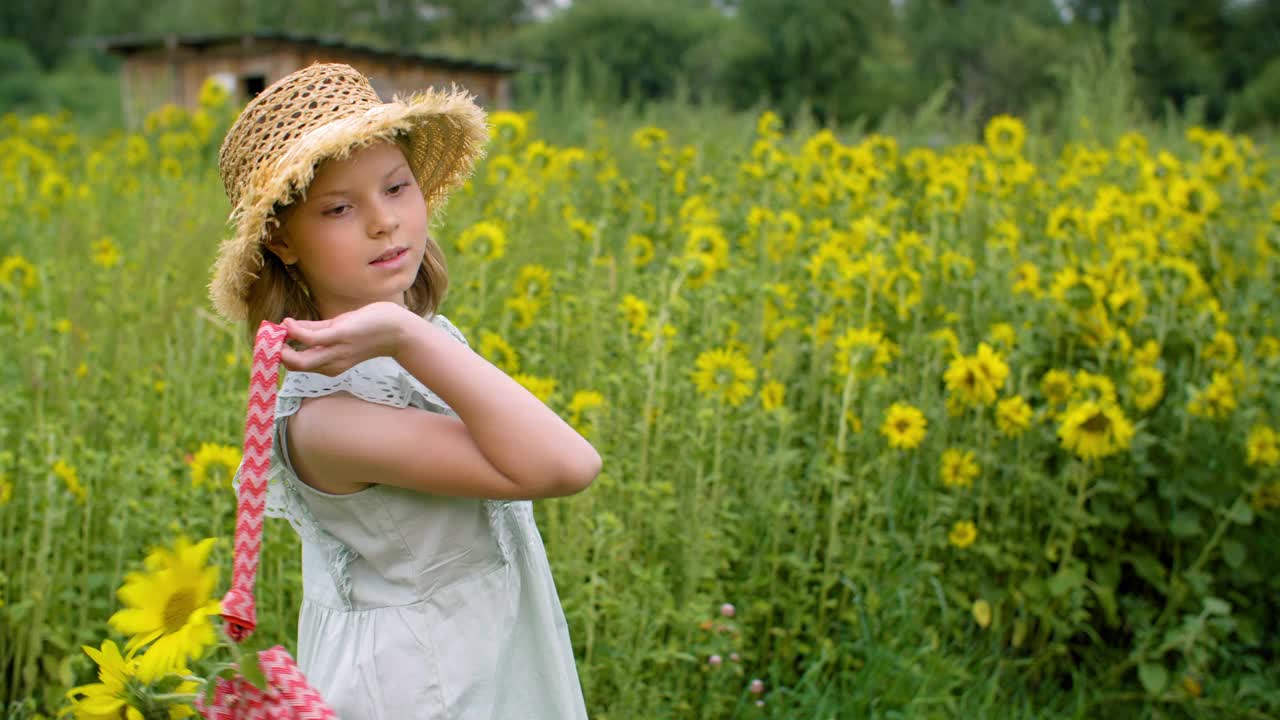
x=254 y=84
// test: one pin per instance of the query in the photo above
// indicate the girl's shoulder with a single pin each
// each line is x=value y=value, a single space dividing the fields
x=445 y=324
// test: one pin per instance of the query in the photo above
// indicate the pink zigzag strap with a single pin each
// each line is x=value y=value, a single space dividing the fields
x=238 y=609
x=288 y=695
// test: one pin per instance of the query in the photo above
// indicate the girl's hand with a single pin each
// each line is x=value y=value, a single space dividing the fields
x=336 y=344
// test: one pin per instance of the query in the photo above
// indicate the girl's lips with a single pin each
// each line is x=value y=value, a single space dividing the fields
x=391 y=261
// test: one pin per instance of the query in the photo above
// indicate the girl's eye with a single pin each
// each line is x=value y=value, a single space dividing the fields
x=336 y=211
x=395 y=189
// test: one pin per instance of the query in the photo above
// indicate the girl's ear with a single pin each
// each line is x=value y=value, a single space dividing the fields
x=278 y=242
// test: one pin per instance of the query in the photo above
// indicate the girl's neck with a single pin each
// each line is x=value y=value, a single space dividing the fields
x=329 y=308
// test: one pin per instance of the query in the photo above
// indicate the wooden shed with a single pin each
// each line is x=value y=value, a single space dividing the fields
x=159 y=69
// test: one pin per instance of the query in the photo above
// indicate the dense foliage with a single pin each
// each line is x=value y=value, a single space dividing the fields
x=984 y=427
x=839 y=60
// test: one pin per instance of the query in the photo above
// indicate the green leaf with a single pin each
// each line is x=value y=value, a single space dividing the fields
x=1149 y=569
x=1107 y=599
x=1198 y=580
x=1217 y=606
x=251 y=670
x=1066 y=580
x=1241 y=513
x=1154 y=677
x=1185 y=524
x=1233 y=553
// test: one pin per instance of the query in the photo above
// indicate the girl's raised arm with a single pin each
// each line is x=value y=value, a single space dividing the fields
x=507 y=444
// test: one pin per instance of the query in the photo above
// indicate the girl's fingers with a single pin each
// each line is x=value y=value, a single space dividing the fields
x=310 y=333
x=308 y=360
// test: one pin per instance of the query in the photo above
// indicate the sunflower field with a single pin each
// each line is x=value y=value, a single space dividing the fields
x=890 y=428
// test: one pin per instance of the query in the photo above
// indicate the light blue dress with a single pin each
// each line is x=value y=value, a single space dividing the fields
x=419 y=606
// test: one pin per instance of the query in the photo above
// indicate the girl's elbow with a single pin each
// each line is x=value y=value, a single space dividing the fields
x=579 y=476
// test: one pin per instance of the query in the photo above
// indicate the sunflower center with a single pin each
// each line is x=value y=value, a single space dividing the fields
x=178 y=609
x=902 y=426
x=1098 y=424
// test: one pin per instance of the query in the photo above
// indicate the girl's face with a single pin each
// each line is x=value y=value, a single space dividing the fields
x=360 y=235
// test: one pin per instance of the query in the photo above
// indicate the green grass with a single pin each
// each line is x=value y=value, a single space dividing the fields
x=850 y=602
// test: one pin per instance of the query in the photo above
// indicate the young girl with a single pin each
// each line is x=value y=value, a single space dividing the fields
x=405 y=461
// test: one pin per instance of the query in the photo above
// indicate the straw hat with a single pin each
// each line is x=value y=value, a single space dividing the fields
x=324 y=111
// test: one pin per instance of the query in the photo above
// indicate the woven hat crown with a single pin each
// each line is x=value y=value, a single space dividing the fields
x=281 y=114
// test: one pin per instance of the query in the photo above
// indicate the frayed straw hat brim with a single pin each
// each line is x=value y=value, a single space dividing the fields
x=446 y=133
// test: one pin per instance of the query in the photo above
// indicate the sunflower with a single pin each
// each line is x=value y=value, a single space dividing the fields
x=1148 y=354
x=1262 y=447
x=55 y=187
x=864 y=351
x=109 y=697
x=501 y=168
x=484 y=241
x=962 y=534
x=509 y=128
x=583 y=229
x=121 y=690
x=526 y=309
x=1013 y=415
x=171 y=167
x=641 y=250
x=992 y=367
x=1193 y=196
x=905 y=426
x=1147 y=385
x=635 y=311
x=71 y=479
x=708 y=240
x=1056 y=387
x=1092 y=386
x=965 y=382
x=533 y=281
x=105 y=253
x=1065 y=221
x=499 y=352
x=701 y=268
x=1076 y=290
x=772 y=395
x=725 y=374
x=1094 y=430
x=213 y=94
x=1221 y=351
x=903 y=285
x=1004 y=336
x=1026 y=280
x=582 y=401
x=1004 y=135
x=16 y=265
x=541 y=388
x=959 y=468
x=946 y=337
x=648 y=137
x=947 y=191
x=1217 y=401
x=976 y=379
x=170 y=606
x=215 y=464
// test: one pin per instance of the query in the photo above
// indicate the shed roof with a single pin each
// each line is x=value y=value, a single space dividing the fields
x=131 y=43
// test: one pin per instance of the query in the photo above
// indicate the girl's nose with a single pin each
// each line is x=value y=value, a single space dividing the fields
x=385 y=221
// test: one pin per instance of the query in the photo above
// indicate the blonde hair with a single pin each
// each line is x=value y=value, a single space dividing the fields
x=279 y=291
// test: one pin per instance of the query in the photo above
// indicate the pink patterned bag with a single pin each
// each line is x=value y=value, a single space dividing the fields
x=288 y=695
